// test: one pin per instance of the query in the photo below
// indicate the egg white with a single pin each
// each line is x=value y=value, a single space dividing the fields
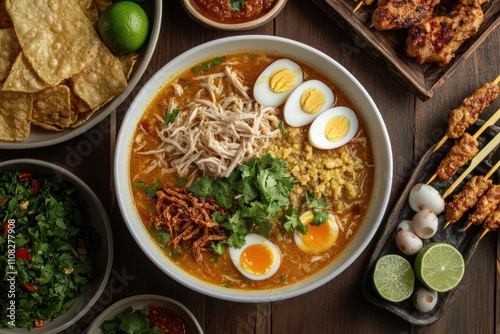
x=262 y=91
x=317 y=135
x=251 y=239
x=293 y=112
x=306 y=218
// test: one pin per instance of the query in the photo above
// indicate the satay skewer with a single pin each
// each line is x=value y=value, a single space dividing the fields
x=474 y=162
x=466 y=141
x=468 y=197
x=486 y=205
x=492 y=222
x=482 y=94
x=361 y=3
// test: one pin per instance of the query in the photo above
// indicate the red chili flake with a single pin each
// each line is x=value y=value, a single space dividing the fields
x=39 y=323
x=24 y=176
x=166 y=320
x=36 y=186
x=24 y=254
x=5 y=228
x=144 y=126
x=29 y=287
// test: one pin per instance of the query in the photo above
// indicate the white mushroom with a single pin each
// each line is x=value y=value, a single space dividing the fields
x=408 y=243
x=425 y=224
x=405 y=225
x=424 y=299
x=423 y=196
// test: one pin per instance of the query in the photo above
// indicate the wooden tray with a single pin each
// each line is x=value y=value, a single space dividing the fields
x=388 y=46
x=465 y=242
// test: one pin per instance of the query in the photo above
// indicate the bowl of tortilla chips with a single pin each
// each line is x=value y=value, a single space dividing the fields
x=57 y=77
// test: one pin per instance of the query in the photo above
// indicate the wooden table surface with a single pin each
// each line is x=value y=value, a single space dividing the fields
x=338 y=306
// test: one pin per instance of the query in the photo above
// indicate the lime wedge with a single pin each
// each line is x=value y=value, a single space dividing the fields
x=393 y=278
x=439 y=266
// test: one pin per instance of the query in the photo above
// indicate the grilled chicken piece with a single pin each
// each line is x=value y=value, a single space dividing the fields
x=464 y=149
x=401 y=14
x=468 y=112
x=436 y=39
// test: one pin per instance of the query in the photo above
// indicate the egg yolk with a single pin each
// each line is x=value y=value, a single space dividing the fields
x=312 y=100
x=281 y=80
x=337 y=128
x=257 y=259
x=320 y=238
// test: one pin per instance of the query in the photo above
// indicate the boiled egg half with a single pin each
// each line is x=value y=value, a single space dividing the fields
x=258 y=259
x=276 y=82
x=318 y=239
x=333 y=128
x=307 y=102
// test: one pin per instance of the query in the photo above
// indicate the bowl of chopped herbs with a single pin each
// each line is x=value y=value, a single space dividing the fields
x=56 y=247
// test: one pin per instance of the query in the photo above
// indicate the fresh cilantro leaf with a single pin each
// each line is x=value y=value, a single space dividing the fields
x=170 y=118
x=320 y=217
x=314 y=202
x=202 y=187
x=163 y=237
x=208 y=66
x=236 y=5
x=151 y=191
x=218 y=247
x=180 y=182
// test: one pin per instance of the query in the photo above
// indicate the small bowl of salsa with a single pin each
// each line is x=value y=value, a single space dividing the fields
x=233 y=15
x=145 y=313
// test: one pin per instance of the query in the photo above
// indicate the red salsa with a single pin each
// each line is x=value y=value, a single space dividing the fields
x=166 y=320
x=234 y=11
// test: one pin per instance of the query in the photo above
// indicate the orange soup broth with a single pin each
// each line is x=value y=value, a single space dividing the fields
x=295 y=264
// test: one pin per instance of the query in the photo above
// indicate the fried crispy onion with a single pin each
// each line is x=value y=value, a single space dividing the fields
x=188 y=220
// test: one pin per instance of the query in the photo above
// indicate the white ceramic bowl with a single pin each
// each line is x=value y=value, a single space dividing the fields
x=40 y=138
x=104 y=257
x=193 y=10
x=139 y=301
x=358 y=95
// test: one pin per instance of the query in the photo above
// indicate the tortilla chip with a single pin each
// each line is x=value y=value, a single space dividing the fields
x=9 y=51
x=103 y=4
x=77 y=104
x=15 y=115
x=22 y=77
x=83 y=4
x=92 y=14
x=101 y=81
x=55 y=35
x=128 y=61
x=5 y=21
x=52 y=107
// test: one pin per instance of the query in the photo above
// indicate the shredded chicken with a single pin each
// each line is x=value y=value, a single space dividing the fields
x=217 y=130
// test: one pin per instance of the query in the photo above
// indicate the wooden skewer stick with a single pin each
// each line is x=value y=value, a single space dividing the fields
x=493 y=119
x=486 y=230
x=487 y=176
x=445 y=137
x=474 y=162
x=358 y=6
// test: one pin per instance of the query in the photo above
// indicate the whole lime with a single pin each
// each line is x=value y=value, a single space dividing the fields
x=124 y=26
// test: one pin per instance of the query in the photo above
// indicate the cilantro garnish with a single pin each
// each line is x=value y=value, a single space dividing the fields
x=209 y=65
x=236 y=5
x=149 y=191
x=170 y=118
x=257 y=192
x=130 y=321
x=55 y=247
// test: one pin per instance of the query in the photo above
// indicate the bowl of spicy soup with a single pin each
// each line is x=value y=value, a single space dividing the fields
x=233 y=15
x=150 y=190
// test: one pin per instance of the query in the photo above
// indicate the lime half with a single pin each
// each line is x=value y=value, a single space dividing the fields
x=439 y=266
x=393 y=278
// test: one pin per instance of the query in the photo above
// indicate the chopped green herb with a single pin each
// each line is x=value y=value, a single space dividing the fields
x=281 y=127
x=236 y=5
x=208 y=66
x=170 y=118
x=55 y=246
x=180 y=182
x=151 y=191
x=133 y=321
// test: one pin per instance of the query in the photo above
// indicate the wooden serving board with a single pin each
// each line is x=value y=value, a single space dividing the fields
x=466 y=242
x=388 y=46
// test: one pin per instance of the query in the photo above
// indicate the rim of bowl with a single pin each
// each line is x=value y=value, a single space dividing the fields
x=139 y=301
x=82 y=304
x=191 y=9
x=59 y=137
x=284 y=46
